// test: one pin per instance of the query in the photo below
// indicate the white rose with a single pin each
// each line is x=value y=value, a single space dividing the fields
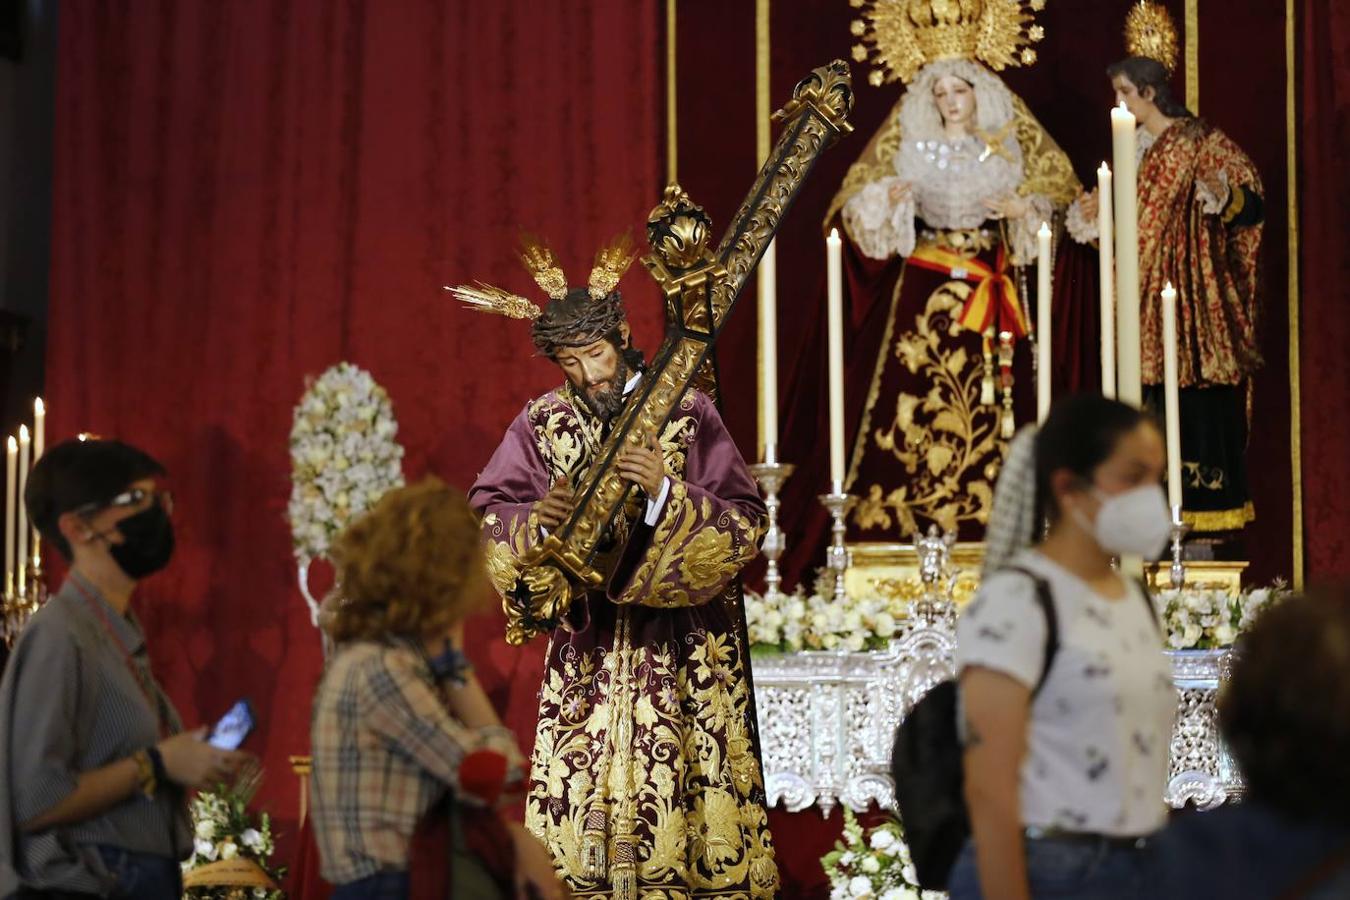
x=1192 y=634
x=861 y=886
x=847 y=859
x=839 y=892
x=885 y=626
x=1225 y=634
x=252 y=839
x=228 y=850
x=911 y=874
x=881 y=839
x=206 y=850
x=204 y=829
x=855 y=642
x=871 y=866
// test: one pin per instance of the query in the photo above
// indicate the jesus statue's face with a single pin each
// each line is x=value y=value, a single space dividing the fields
x=598 y=372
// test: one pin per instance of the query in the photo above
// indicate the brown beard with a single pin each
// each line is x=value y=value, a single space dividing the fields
x=610 y=402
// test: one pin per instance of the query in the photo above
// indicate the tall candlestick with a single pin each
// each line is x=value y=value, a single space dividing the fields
x=1171 y=395
x=835 y=269
x=11 y=470
x=1107 y=276
x=21 y=530
x=1130 y=378
x=768 y=354
x=1044 y=329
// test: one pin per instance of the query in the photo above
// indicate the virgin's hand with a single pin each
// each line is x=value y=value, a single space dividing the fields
x=900 y=192
x=1087 y=202
x=193 y=763
x=1009 y=207
x=534 y=876
x=644 y=466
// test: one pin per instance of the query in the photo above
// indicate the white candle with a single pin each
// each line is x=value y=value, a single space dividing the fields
x=21 y=531
x=39 y=429
x=1129 y=366
x=768 y=354
x=1171 y=395
x=39 y=447
x=1044 y=330
x=1107 y=277
x=11 y=468
x=835 y=269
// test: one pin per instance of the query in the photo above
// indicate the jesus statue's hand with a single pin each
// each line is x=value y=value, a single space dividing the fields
x=557 y=504
x=644 y=466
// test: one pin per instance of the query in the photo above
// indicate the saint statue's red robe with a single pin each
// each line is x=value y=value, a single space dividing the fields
x=1205 y=242
x=644 y=780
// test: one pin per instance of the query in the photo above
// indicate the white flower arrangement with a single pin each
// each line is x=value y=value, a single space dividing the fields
x=344 y=456
x=872 y=865
x=796 y=621
x=1207 y=619
x=224 y=829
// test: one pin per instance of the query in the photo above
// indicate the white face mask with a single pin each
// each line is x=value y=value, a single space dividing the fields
x=1136 y=522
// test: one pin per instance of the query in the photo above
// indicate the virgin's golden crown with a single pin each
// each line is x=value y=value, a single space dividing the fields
x=902 y=36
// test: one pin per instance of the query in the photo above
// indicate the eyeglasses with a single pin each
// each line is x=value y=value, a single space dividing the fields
x=132 y=499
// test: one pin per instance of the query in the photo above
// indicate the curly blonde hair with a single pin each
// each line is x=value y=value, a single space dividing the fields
x=411 y=565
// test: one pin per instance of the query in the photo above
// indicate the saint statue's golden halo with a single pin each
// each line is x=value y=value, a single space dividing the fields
x=1150 y=32
x=900 y=37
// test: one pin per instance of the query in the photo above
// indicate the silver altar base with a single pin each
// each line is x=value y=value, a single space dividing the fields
x=827 y=721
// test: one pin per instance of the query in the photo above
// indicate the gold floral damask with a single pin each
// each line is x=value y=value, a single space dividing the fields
x=940 y=437
x=695 y=549
x=650 y=740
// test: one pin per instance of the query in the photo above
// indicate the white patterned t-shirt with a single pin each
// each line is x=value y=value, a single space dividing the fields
x=1101 y=726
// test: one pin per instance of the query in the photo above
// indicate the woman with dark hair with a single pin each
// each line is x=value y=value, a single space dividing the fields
x=1200 y=215
x=1066 y=698
x=1286 y=718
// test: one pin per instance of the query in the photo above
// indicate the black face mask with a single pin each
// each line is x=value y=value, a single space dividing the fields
x=147 y=542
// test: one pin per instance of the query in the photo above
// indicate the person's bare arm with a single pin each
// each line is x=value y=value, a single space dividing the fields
x=996 y=709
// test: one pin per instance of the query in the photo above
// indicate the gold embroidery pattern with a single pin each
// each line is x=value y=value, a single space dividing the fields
x=938 y=437
x=679 y=787
x=694 y=551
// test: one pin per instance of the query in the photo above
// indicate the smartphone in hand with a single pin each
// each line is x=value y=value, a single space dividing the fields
x=236 y=725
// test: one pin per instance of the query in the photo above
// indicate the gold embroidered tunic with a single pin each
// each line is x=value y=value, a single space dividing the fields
x=644 y=781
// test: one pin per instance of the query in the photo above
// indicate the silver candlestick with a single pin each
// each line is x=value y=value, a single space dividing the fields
x=771 y=476
x=1179 y=531
x=837 y=557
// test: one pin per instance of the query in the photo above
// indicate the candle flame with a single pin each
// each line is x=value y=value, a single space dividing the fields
x=834 y=235
x=1104 y=168
x=1168 y=287
x=23 y=434
x=13 y=445
x=39 y=407
x=1045 y=230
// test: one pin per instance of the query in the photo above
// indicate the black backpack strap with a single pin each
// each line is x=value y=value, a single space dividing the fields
x=1047 y=605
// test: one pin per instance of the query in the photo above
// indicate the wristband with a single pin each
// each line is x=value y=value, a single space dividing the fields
x=157 y=763
x=145 y=773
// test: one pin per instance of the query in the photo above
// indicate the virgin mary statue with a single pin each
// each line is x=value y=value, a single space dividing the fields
x=940 y=215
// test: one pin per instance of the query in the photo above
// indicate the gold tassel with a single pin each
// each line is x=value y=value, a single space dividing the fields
x=623 y=873
x=594 y=864
x=1005 y=365
x=987 y=381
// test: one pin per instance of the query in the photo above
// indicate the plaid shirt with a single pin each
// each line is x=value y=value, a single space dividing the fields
x=385 y=750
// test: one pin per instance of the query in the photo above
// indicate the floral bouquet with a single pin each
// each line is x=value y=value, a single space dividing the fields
x=231 y=850
x=819 y=622
x=1207 y=619
x=344 y=456
x=872 y=865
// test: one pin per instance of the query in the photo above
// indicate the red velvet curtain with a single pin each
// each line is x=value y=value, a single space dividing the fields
x=1325 y=207
x=248 y=192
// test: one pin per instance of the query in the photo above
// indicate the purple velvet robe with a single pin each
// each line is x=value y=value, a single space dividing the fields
x=644 y=780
